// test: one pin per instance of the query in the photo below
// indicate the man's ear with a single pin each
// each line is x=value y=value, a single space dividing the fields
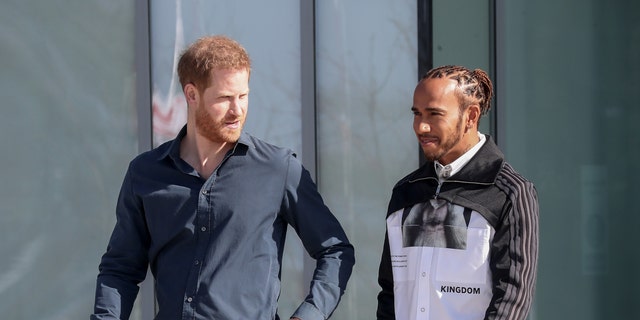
x=191 y=93
x=473 y=115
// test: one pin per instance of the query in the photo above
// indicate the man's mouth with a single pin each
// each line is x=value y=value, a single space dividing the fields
x=232 y=124
x=427 y=140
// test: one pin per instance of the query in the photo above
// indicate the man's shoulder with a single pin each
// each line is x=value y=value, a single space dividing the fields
x=146 y=158
x=509 y=173
x=511 y=181
x=425 y=171
x=417 y=186
x=264 y=148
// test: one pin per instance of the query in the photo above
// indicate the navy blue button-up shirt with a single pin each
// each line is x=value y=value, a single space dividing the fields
x=215 y=246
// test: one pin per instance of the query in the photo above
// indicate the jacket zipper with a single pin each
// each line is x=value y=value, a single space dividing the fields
x=435 y=196
x=440 y=183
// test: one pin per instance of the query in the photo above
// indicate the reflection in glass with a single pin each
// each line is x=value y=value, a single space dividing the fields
x=68 y=132
x=366 y=73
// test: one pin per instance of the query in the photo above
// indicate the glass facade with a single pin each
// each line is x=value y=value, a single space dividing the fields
x=564 y=115
x=366 y=72
x=568 y=103
x=68 y=131
x=466 y=40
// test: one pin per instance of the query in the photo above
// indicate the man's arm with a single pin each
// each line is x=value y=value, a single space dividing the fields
x=323 y=238
x=124 y=265
x=386 y=308
x=514 y=255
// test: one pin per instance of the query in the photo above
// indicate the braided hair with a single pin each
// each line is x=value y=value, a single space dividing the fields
x=475 y=85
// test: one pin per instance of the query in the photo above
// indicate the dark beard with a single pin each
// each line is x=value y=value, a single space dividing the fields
x=449 y=143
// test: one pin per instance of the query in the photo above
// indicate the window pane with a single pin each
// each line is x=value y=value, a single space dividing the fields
x=570 y=89
x=462 y=36
x=366 y=73
x=272 y=44
x=461 y=33
x=68 y=131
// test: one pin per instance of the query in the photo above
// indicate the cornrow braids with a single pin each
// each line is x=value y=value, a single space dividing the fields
x=475 y=85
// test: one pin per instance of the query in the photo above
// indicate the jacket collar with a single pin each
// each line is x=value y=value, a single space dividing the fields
x=482 y=168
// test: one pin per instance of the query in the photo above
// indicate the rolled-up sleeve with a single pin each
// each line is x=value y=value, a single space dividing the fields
x=324 y=239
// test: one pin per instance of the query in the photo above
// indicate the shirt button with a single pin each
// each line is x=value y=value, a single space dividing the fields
x=447 y=172
x=424 y=274
x=421 y=309
x=189 y=299
x=203 y=229
x=196 y=262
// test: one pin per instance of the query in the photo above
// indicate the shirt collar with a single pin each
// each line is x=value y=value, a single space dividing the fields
x=444 y=172
x=173 y=150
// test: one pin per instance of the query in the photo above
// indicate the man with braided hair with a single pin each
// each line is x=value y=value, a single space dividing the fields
x=462 y=230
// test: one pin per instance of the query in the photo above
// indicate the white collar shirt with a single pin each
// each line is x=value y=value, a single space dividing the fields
x=444 y=172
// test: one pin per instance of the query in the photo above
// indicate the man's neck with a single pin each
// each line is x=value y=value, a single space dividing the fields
x=203 y=154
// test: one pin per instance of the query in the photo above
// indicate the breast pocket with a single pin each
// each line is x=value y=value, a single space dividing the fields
x=470 y=265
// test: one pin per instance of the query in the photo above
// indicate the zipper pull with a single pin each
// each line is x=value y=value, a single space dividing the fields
x=435 y=196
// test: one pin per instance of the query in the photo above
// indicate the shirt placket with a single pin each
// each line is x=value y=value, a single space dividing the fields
x=424 y=274
x=423 y=277
x=202 y=225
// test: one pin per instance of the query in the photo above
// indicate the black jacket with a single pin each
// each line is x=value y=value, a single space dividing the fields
x=491 y=187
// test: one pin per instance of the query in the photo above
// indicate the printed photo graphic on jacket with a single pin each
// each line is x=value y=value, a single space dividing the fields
x=435 y=223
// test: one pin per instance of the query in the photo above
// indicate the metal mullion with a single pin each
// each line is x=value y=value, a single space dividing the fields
x=142 y=61
x=500 y=86
x=425 y=47
x=308 y=86
x=308 y=106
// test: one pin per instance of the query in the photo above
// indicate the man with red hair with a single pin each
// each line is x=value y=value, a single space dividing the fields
x=209 y=210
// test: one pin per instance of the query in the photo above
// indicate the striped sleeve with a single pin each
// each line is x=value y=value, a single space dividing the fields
x=515 y=249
